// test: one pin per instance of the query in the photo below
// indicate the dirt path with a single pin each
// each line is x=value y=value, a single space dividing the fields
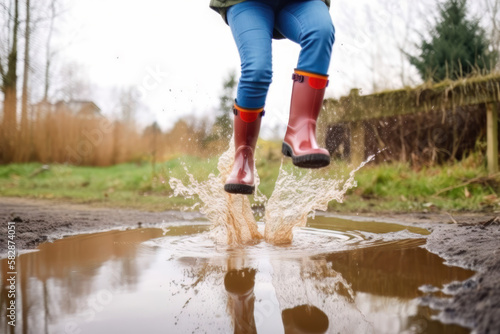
x=469 y=241
x=41 y=220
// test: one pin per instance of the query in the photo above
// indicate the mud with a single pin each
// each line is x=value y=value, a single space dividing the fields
x=476 y=246
x=40 y=220
x=470 y=241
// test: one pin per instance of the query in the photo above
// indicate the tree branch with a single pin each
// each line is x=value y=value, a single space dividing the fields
x=474 y=180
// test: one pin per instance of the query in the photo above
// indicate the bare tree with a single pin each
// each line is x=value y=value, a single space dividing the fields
x=27 y=36
x=8 y=71
x=49 y=53
x=129 y=104
x=23 y=144
x=402 y=43
x=492 y=10
x=73 y=84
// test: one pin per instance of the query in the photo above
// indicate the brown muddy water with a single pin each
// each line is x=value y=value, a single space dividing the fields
x=337 y=276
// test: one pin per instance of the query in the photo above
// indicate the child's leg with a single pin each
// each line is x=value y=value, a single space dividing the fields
x=309 y=24
x=252 y=24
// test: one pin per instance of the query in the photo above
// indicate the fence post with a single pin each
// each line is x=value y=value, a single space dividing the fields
x=492 y=137
x=357 y=130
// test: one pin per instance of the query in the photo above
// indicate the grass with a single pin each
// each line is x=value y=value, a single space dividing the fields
x=396 y=187
x=124 y=185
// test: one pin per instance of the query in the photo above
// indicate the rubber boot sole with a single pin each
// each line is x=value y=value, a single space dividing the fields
x=307 y=160
x=235 y=188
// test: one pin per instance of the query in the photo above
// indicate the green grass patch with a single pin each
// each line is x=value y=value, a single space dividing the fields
x=462 y=186
x=396 y=187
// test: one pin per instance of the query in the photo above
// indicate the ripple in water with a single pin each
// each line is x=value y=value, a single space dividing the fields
x=296 y=196
x=307 y=242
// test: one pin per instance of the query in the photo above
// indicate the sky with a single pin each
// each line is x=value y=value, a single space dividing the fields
x=178 y=53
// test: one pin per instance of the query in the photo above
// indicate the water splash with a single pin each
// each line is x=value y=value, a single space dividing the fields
x=231 y=215
x=296 y=196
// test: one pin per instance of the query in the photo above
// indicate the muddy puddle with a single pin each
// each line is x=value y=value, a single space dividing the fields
x=337 y=276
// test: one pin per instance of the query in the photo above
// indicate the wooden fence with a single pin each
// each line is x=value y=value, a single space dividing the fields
x=354 y=109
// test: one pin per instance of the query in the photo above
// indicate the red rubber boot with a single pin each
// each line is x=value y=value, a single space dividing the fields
x=300 y=139
x=246 y=132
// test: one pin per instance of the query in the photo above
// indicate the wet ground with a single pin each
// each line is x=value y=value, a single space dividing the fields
x=161 y=272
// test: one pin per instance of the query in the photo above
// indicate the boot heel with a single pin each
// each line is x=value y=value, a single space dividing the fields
x=311 y=160
x=286 y=150
x=235 y=188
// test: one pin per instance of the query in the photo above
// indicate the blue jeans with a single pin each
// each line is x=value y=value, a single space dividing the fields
x=252 y=22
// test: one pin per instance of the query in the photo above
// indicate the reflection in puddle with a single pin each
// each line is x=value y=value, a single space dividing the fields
x=239 y=285
x=337 y=276
x=304 y=319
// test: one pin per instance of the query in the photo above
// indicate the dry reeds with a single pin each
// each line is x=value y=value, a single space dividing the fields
x=59 y=134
